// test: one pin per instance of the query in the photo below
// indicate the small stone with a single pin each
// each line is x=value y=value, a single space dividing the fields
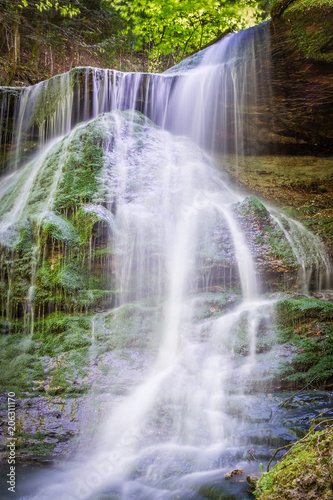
x=236 y=472
x=252 y=480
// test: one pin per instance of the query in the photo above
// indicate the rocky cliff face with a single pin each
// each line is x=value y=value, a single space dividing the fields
x=302 y=73
x=294 y=79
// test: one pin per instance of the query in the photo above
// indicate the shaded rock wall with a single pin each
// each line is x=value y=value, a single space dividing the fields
x=302 y=73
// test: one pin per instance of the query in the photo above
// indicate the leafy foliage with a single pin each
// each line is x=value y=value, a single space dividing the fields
x=42 y=38
x=69 y=10
x=306 y=324
x=181 y=27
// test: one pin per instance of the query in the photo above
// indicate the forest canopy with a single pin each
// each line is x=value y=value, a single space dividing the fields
x=40 y=38
x=183 y=26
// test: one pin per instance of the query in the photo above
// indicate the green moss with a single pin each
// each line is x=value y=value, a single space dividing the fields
x=52 y=360
x=57 y=323
x=51 y=94
x=45 y=276
x=306 y=324
x=305 y=468
x=323 y=227
x=70 y=285
x=292 y=312
x=59 y=228
x=25 y=240
x=16 y=269
x=279 y=246
x=60 y=333
x=101 y=299
x=311 y=28
x=20 y=363
x=5 y=326
x=215 y=492
x=64 y=323
x=87 y=219
x=251 y=205
x=284 y=335
x=67 y=374
x=69 y=279
x=127 y=326
x=82 y=163
x=317 y=367
x=37 y=449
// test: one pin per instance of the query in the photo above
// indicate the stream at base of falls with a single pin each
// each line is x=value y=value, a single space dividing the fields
x=259 y=424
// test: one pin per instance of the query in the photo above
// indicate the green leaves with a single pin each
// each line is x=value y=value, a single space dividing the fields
x=183 y=26
x=67 y=10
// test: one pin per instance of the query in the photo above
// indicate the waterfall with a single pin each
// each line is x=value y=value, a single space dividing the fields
x=182 y=102
x=177 y=245
x=303 y=245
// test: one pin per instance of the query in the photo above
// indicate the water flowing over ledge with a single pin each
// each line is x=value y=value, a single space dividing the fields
x=183 y=103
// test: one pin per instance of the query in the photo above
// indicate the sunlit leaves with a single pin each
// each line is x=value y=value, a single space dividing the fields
x=183 y=26
x=66 y=9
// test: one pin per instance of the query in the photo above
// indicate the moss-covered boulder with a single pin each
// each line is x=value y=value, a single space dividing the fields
x=276 y=264
x=304 y=474
x=310 y=27
x=309 y=24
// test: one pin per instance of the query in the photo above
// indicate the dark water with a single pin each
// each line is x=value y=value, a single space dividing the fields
x=269 y=426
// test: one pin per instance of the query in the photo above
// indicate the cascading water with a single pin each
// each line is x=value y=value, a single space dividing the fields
x=184 y=102
x=176 y=237
x=305 y=244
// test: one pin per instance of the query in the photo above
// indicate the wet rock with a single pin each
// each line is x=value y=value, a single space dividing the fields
x=257 y=415
x=301 y=45
x=323 y=296
x=49 y=428
x=253 y=481
x=233 y=473
x=279 y=7
x=304 y=474
x=275 y=262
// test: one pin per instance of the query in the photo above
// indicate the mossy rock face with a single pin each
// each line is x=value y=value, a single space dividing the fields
x=302 y=62
x=306 y=326
x=275 y=262
x=304 y=474
x=59 y=229
x=57 y=255
x=310 y=25
x=278 y=7
x=9 y=98
x=298 y=312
